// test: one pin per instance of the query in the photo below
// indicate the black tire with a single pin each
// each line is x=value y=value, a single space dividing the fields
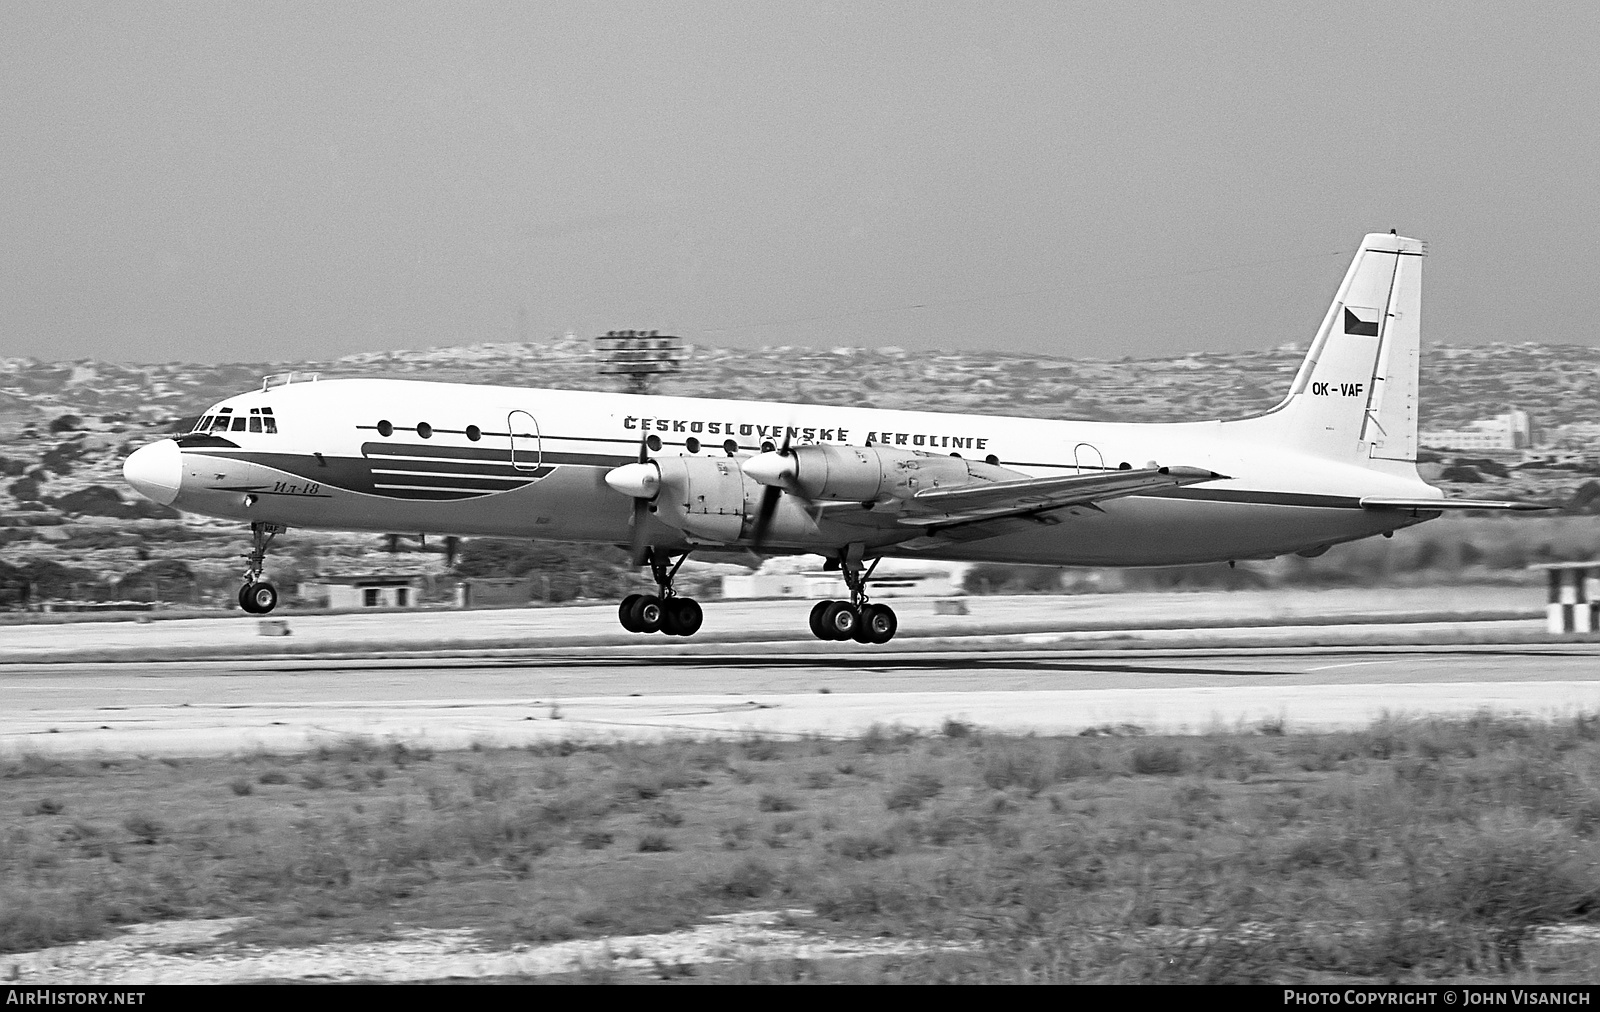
x=818 y=610
x=881 y=623
x=263 y=597
x=647 y=613
x=686 y=616
x=625 y=612
x=244 y=598
x=669 y=618
x=840 y=620
x=863 y=630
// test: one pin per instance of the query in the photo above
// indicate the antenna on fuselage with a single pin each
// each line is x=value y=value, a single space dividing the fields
x=638 y=355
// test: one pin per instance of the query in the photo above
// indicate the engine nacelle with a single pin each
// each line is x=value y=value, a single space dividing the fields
x=708 y=497
x=867 y=473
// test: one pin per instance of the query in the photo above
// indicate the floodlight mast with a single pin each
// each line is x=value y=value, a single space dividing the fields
x=638 y=355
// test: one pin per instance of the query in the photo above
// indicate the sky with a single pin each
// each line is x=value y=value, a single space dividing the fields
x=213 y=181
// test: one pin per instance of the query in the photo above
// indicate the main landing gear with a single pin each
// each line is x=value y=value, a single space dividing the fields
x=664 y=611
x=854 y=619
x=257 y=596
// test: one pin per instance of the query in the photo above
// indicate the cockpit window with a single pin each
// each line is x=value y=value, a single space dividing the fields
x=219 y=423
x=202 y=424
x=238 y=424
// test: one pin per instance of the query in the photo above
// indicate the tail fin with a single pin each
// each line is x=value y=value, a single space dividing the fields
x=1355 y=396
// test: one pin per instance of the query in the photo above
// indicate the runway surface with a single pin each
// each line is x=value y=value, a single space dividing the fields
x=1283 y=615
x=195 y=708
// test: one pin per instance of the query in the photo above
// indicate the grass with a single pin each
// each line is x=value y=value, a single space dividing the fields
x=1410 y=850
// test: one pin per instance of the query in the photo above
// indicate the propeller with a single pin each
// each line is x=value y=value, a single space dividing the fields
x=640 y=547
x=642 y=481
x=770 y=496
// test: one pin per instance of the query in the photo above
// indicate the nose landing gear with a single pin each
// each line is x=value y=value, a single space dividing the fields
x=664 y=611
x=854 y=619
x=257 y=596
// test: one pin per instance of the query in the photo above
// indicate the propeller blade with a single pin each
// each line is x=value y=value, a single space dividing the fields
x=639 y=549
x=769 y=505
x=771 y=495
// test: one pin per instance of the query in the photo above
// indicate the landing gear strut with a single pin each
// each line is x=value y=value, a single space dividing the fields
x=663 y=611
x=257 y=596
x=854 y=619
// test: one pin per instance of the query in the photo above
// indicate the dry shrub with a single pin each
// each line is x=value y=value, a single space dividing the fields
x=772 y=801
x=1151 y=759
x=913 y=792
x=1509 y=875
x=1027 y=763
x=751 y=878
x=864 y=846
x=46 y=919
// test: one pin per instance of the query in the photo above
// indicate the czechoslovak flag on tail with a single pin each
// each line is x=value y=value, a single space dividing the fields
x=1361 y=322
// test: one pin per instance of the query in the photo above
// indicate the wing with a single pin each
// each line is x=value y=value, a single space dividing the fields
x=1373 y=502
x=937 y=507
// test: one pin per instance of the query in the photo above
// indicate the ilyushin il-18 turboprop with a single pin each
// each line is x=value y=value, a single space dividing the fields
x=1335 y=461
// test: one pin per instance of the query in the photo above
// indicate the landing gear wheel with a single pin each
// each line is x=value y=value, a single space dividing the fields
x=664 y=611
x=818 y=610
x=669 y=617
x=647 y=613
x=681 y=616
x=863 y=630
x=879 y=622
x=840 y=620
x=258 y=598
x=625 y=612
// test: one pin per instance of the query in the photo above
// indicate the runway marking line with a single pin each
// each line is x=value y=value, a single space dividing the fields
x=1355 y=664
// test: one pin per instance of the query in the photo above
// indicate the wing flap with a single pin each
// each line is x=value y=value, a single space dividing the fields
x=991 y=500
x=1373 y=502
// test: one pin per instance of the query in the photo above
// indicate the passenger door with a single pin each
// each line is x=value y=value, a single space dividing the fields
x=527 y=452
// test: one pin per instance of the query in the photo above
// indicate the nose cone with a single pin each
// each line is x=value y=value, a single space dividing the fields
x=155 y=471
x=771 y=468
x=642 y=481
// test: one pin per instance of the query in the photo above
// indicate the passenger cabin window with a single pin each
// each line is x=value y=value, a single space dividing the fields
x=424 y=430
x=474 y=433
x=386 y=428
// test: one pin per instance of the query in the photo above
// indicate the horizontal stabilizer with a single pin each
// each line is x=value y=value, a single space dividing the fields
x=966 y=503
x=1373 y=502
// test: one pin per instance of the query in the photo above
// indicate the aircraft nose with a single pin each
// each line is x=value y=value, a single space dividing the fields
x=155 y=471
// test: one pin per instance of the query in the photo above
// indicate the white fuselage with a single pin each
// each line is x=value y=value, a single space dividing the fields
x=400 y=456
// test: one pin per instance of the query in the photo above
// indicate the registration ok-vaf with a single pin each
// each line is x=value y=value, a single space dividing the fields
x=1335 y=461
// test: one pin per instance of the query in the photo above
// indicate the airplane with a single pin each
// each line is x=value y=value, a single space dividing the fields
x=1335 y=461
